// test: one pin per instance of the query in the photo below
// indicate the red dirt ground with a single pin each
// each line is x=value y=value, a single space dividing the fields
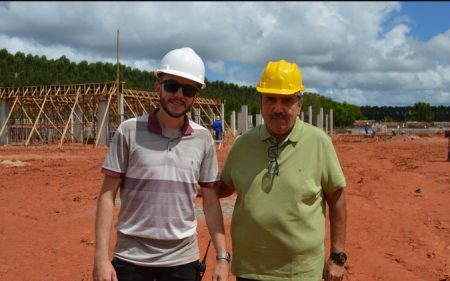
x=398 y=198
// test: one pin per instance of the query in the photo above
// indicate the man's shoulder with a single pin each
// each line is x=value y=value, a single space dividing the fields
x=308 y=129
x=134 y=120
x=248 y=137
x=132 y=124
x=196 y=126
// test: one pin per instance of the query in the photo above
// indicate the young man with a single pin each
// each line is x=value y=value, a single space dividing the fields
x=156 y=160
x=282 y=172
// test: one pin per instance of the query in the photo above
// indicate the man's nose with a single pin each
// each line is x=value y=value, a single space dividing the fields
x=179 y=92
x=277 y=107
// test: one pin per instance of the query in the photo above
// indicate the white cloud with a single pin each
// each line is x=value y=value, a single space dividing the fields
x=439 y=46
x=359 y=52
x=217 y=67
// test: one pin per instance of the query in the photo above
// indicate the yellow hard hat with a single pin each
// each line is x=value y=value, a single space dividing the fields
x=218 y=117
x=280 y=77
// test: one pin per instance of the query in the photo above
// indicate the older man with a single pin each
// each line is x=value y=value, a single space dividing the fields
x=283 y=172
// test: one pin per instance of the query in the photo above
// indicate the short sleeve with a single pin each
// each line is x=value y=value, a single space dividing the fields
x=332 y=175
x=117 y=157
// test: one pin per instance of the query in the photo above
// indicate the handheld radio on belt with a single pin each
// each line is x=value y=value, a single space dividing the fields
x=202 y=264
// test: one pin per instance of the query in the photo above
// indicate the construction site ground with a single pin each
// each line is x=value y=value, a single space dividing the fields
x=398 y=198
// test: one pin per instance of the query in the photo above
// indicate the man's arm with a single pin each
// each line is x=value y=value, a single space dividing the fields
x=103 y=269
x=338 y=226
x=214 y=221
x=223 y=190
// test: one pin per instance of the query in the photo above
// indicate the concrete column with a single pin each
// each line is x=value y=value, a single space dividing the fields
x=326 y=123
x=121 y=108
x=222 y=114
x=197 y=115
x=321 y=118
x=78 y=124
x=331 y=122
x=240 y=123
x=259 y=120
x=244 y=110
x=242 y=120
x=310 y=114
x=233 y=122
x=5 y=107
x=103 y=135
x=212 y=115
x=318 y=120
x=250 y=121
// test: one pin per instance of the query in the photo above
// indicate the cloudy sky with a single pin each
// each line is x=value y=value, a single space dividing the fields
x=364 y=53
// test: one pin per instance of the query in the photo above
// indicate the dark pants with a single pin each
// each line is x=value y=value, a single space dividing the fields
x=130 y=272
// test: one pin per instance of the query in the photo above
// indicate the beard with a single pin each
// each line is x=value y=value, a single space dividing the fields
x=165 y=105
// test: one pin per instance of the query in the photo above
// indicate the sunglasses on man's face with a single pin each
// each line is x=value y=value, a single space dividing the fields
x=172 y=86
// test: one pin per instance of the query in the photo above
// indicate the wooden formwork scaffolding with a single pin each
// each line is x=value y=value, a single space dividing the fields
x=79 y=113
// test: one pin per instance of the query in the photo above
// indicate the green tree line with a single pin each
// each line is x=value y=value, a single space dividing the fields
x=31 y=70
x=421 y=111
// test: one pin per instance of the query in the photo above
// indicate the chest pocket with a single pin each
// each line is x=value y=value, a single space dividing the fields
x=308 y=192
x=181 y=160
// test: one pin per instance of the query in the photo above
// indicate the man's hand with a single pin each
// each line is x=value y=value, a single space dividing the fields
x=104 y=271
x=221 y=271
x=333 y=271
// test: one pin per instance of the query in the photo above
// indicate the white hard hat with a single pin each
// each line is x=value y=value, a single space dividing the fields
x=183 y=62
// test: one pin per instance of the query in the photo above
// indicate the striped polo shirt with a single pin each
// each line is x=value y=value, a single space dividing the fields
x=157 y=222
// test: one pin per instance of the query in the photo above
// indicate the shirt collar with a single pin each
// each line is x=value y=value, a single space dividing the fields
x=153 y=124
x=294 y=135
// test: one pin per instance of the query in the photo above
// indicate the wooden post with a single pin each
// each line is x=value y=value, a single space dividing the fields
x=120 y=111
x=99 y=131
x=71 y=113
x=37 y=118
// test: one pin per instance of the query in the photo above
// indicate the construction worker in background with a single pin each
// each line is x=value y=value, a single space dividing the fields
x=217 y=127
x=283 y=172
x=366 y=128
x=156 y=160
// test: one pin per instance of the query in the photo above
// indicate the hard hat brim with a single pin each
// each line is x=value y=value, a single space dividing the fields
x=181 y=74
x=279 y=91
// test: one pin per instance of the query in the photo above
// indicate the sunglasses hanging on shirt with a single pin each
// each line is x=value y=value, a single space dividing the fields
x=272 y=153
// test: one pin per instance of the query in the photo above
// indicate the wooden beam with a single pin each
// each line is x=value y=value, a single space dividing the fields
x=48 y=118
x=99 y=132
x=129 y=107
x=37 y=119
x=29 y=118
x=68 y=120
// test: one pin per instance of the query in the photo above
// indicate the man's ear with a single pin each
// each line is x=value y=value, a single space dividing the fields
x=195 y=97
x=157 y=86
x=300 y=103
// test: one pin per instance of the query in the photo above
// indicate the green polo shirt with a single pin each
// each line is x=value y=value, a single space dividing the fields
x=278 y=223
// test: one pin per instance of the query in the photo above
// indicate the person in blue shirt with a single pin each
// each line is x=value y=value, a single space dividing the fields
x=366 y=128
x=217 y=127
